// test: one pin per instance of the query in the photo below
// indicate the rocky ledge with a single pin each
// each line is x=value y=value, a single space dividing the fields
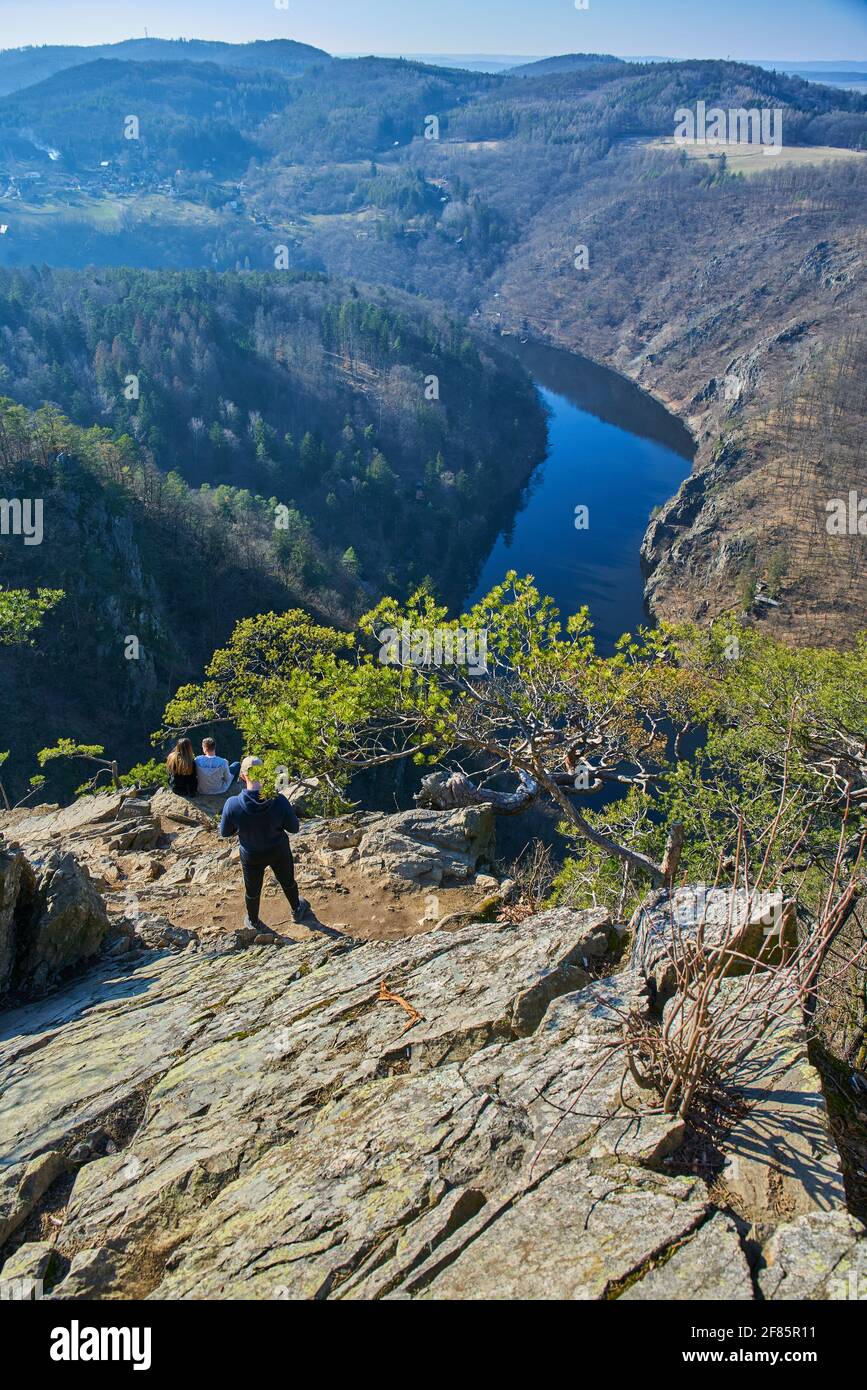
x=436 y=1117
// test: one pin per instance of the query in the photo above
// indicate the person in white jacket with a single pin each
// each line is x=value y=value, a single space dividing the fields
x=215 y=775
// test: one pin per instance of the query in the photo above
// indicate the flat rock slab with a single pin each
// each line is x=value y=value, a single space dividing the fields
x=819 y=1256
x=280 y=1130
x=577 y=1235
x=354 y=1204
x=709 y=1267
x=224 y=1054
x=781 y=1160
x=344 y=1196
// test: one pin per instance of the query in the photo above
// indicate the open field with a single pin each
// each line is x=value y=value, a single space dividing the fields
x=753 y=159
x=106 y=211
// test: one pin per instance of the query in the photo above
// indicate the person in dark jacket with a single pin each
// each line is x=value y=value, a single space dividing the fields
x=181 y=764
x=261 y=828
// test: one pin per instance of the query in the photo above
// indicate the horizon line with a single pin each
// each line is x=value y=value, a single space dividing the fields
x=442 y=53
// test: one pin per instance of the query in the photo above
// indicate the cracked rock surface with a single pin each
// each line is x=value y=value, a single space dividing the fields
x=263 y=1124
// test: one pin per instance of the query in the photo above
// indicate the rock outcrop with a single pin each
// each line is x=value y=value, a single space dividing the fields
x=734 y=925
x=51 y=920
x=196 y=1122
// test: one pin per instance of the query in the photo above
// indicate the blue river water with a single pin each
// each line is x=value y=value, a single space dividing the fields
x=613 y=450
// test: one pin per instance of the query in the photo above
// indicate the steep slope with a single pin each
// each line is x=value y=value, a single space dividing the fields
x=386 y=425
x=741 y=303
x=738 y=300
x=275 y=441
x=138 y=557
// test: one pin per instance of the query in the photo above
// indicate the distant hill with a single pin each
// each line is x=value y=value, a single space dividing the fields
x=357 y=107
x=566 y=62
x=854 y=78
x=22 y=67
x=191 y=114
x=469 y=62
x=840 y=65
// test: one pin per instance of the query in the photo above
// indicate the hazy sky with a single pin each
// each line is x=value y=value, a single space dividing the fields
x=783 y=29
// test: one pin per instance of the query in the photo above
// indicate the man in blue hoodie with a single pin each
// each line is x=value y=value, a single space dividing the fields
x=261 y=828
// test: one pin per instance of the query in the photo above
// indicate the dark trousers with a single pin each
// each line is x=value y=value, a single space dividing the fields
x=280 y=861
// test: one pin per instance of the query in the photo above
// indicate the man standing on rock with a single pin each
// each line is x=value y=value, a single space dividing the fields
x=261 y=828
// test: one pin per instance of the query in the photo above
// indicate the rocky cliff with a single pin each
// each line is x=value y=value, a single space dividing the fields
x=740 y=304
x=189 y=1113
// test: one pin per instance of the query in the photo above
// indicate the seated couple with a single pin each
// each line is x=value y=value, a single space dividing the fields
x=205 y=775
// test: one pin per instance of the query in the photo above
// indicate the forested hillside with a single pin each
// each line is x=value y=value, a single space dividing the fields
x=262 y=441
x=588 y=104
x=136 y=554
x=22 y=67
x=190 y=116
x=195 y=114
x=224 y=162
x=390 y=429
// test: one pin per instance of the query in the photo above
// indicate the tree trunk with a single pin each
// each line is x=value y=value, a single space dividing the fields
x=444 y=791
x=673 y=851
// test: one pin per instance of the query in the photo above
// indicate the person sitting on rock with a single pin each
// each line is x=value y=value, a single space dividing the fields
x=216 y=775
x=261 y=828
x=181 y=764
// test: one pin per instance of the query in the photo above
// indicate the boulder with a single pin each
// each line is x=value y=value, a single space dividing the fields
x=87 y=816
x=426 y=849
x=301 y=793
x=120 y=820
x=17 y=884
x=159 y=934
x=171 y=810
x=65 y=925
x=51 y=919
x=741 y=927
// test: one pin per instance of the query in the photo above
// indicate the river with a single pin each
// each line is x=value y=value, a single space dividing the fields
x=612 y=449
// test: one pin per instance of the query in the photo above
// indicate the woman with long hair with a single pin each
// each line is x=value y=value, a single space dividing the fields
x=181 y=764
